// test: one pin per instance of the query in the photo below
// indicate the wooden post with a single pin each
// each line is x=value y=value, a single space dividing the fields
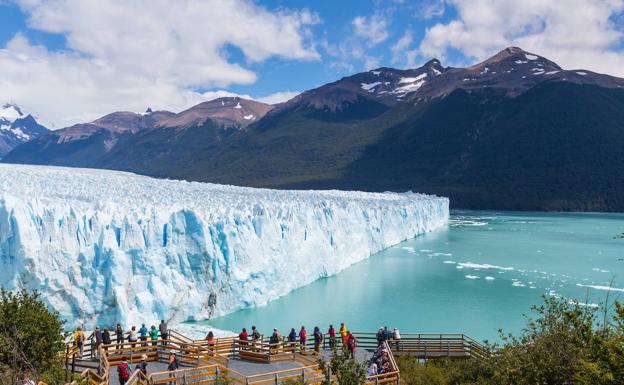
x=276 y=379
x=303 y=374
x=184 y=378
x=66 y=362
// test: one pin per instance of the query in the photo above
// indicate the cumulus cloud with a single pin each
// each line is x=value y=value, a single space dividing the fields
x=374 y=28
x=573 y=33
x=402 y=51
x=131 y=54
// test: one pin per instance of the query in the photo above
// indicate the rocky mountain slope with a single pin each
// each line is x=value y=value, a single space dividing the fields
x=515 y=131
x=17 y=128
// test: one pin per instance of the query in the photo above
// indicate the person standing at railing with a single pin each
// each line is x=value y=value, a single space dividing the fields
x=332 y=337
x=387 y=334
x=275 y=340
x=242 y=337
x=79 y=339
x=211 y=341
x=343 y=334
x=143 y=334
x=303 y=335
x=292 y=337
x=380 y=336
x=120 y=334
x=318 y=338
x=372 y=369
x=123 y=372
x=96 y=341
x=106 y=338
x=153 y=335
x=132 y=335
x=164 y=331
x=255 y=336
x=396 y=336
x=351 y=344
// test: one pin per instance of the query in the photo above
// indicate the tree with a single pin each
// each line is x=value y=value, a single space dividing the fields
x=31 y=339
x=347 y=370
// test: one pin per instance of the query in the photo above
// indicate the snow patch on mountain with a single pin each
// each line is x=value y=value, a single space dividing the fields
x=105 y=246
x=369 y=86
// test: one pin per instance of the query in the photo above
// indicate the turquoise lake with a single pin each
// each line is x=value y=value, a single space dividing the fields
x=480 y=273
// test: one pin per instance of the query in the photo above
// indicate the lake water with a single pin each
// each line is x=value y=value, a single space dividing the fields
x=481 y=273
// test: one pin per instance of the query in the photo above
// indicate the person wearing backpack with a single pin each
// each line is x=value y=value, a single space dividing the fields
x=106 y=338
x=255 y=336
x=303 y=335
x=79 y=339
x=318 y=338
x=396 y=336
x=123 y=371
x=351 y=344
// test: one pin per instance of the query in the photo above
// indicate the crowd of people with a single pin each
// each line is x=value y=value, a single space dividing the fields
x=105 y=337
x=380 y=361
x=294 y=338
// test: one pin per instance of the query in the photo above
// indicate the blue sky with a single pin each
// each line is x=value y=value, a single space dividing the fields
x=73 y=60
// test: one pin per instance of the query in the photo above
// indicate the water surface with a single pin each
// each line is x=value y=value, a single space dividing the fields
x=481 y=273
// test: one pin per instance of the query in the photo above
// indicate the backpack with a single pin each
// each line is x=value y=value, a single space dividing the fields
x=256 y=335
x=124 y=373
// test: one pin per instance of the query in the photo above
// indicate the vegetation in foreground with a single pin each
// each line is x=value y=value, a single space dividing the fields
x=565 y=343
x=31 y=340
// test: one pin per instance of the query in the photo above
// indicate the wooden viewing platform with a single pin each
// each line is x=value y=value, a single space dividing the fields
x=256 y=362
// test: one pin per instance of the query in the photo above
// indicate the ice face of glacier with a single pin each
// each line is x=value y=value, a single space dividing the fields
x=106 y=246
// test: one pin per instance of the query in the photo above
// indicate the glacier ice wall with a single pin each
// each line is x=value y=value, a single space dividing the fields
x=106 y=246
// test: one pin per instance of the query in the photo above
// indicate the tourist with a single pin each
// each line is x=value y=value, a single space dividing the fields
x=396 y=336
x=303 y=334
x=132 y=335
x=120 y=334
x=106 y=338
x=372 y=369
x=164 y=331
x=351 y=344
x=211 y=341
x=96 y=341
x=143 y=334
x=123 y=372
x=292 y=337
x=142 y=366
x=153 y=335
x=380 y=336
x=243 y=336
x=255 y=336
x=79 y=339
x=173 y=366
x=318 y=338
x=387 y=334
x=332 y=337
x=275 y=339
x=343 y=334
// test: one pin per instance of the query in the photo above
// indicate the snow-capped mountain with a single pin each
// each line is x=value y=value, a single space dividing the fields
x=107 y=246
x=17 y=127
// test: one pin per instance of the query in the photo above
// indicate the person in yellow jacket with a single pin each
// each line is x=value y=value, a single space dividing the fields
x=343 y=334
x=79 y=340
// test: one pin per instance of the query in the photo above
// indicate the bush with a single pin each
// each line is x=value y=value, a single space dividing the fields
x=31 y=339
x=347 y=370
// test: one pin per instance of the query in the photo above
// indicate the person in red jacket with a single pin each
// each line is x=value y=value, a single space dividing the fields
x=332 y=336
x=243 y=338
x=303 y=334
x=123 y=370
x=351 y=344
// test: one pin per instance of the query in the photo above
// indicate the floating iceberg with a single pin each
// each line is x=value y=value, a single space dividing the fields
x=106 y=246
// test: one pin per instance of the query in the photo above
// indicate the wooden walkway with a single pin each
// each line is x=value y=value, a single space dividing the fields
x=257 y=363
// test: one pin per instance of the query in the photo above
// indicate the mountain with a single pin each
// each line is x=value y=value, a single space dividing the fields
x=17 y=128
x=131 y=141
x=515 y=131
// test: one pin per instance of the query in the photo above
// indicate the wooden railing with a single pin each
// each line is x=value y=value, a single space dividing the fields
x=210 y=360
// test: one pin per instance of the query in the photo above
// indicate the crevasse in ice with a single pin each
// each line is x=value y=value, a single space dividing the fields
x=107 y=246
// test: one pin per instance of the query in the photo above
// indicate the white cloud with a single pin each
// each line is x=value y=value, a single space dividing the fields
x=431 y=9
x=374 y=28
x=278 y=97
x=401 y=50
x=573 y=33
x=128 y=55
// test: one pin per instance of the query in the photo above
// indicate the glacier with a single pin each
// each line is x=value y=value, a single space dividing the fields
x=107 y=246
